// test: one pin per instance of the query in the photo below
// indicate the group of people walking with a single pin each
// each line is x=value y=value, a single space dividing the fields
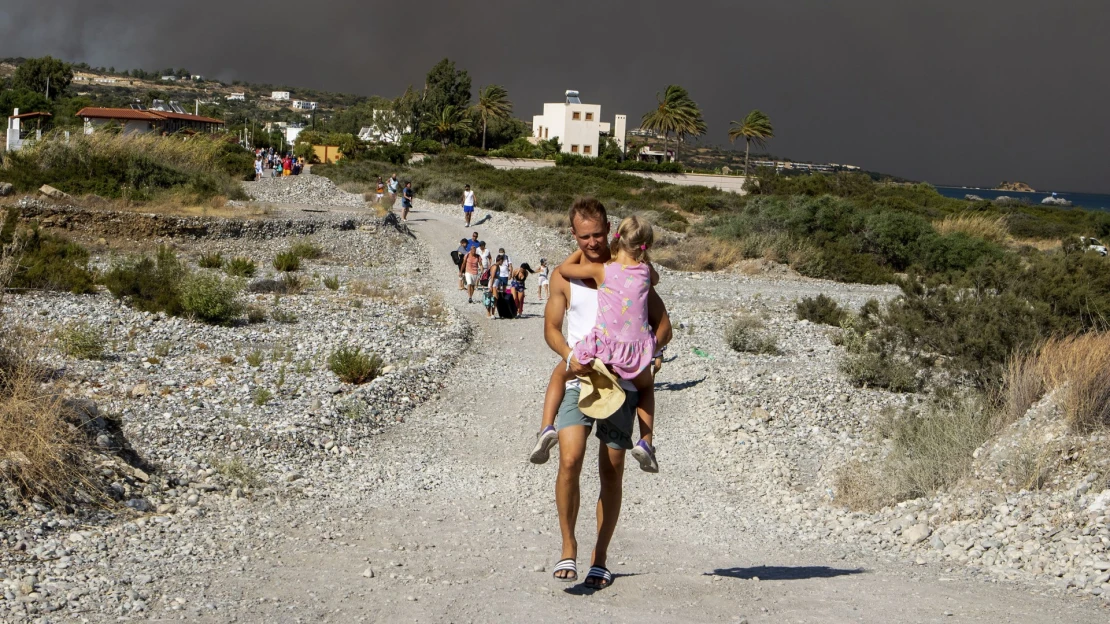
x=276 y=163
x=500 y=283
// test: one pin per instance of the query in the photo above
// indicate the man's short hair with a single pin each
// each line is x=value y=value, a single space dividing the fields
x=588 y=208
x=462 y=240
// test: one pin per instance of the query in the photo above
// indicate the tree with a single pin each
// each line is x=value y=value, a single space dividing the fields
x=493 y=103
x=755 y=128
x=450 y=123
x=674 y=113
x=444 y=86
x=35 y=74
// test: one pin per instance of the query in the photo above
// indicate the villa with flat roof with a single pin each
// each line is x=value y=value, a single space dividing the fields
x=578 y=126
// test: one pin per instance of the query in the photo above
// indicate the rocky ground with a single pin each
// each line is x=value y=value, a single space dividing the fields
x=410 y=498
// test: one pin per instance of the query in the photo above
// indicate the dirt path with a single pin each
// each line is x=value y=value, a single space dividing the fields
x=456 y=526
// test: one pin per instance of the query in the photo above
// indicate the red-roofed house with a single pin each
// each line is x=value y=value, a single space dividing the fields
x=141 y=121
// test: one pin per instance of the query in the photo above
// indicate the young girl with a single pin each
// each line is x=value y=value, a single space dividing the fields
x=622 y=337
x=542 y=279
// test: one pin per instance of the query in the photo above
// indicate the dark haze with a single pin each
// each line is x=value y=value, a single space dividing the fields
x=948 y=92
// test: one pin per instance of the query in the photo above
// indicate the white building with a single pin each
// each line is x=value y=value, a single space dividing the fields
x=578 y=126
x=303 y=105
x=237 y=96
x=291 y=133
x=169 y=78
x=280 y=95
x=388 y=127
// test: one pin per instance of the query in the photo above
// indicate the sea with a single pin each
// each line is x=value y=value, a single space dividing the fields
x=1090 y=201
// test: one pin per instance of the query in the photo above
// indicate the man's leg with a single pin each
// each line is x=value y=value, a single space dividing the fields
x=611 y=470
x=572 y=451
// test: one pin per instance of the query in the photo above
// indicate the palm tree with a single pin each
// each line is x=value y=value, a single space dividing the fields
x=756 y=128
x=450 y=121
x=674 y=112
x=493 y=103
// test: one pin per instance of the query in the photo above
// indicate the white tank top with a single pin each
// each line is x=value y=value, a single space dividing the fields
x=581 y=318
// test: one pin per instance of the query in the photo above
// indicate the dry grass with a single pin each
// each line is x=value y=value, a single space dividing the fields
x=180 y=204
x=697 y=254
x=1079 y=366
x=928 y=452
x=41 y=451
x=377 y=289
x=1021 y=388
x=555 y=220
x=1040 y=244
x=991 y=229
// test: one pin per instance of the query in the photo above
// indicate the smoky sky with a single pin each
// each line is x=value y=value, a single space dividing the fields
x=970 y=92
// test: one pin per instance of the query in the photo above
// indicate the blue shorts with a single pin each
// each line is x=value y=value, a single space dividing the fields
x=615 y=431
x=468 y=208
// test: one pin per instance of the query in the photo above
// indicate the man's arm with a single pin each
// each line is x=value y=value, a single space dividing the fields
x=659 y=319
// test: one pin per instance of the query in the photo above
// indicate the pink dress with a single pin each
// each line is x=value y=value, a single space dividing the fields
x=622 y=337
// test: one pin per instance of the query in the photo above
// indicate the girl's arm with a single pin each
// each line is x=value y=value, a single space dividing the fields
x=590 y=270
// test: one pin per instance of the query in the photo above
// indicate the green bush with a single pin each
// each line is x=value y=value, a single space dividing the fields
x=255 y=314
x=331 y=282
x=351 y=365
x=746 y=335
x=306 y=250
x=211 y=261
x=47 y=262
x=287 y=261
x=212 y=299
x=821 y=309
x=240 y=267
x=82 y=341
x=286 y=317
x=149 y=284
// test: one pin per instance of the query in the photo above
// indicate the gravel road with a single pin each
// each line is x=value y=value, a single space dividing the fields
x=443 y=519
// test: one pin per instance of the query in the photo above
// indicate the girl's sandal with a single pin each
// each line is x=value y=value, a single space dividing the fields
x=566 y=564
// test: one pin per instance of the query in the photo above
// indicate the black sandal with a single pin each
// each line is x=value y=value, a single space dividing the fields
x=566 y=564
x=604 y=578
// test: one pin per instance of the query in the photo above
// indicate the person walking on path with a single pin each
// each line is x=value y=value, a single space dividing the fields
x=468 y=204
x=258 y=168
x=394 y=185
x=576 y=302
x=457 y=257
x=406 y=201
x=380 y=190
x=543 y=279
x=471 y=265
x=516 y=286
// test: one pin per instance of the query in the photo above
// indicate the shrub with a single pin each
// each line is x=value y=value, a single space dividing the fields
x=240 y=267
x=287 y=317
x=82 y=341
x=331 y=282
x=46 y=261
x=131 y=166
x=928 y=452
x=256 y=314
x=822 y=309
x=211 y=298
x=306 y=250
x=293 y=284
x=746 y=335
x=261 y=396
x=871 y=362
x=254 y=358
x=351 y=365
x=287 y=261
x=211 y=261
x=149 y=284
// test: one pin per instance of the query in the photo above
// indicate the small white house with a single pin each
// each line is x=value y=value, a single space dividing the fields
x=291 y=133
x=304 y=105
x=578 y=126
x=237 y=96
x=16 y=135
x=280 y=95
x=169 y=78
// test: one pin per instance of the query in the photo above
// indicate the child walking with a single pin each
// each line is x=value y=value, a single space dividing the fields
x=622 y=337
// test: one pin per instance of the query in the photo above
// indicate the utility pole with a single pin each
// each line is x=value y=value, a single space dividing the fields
x=48 y=87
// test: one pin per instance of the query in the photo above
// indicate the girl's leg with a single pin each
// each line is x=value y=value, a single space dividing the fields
x=645 y=408
x=547 y=437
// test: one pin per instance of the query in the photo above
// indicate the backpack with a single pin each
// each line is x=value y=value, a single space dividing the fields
x=456 y=257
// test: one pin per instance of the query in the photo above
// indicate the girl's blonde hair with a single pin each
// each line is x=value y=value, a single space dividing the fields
x=635 y=236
